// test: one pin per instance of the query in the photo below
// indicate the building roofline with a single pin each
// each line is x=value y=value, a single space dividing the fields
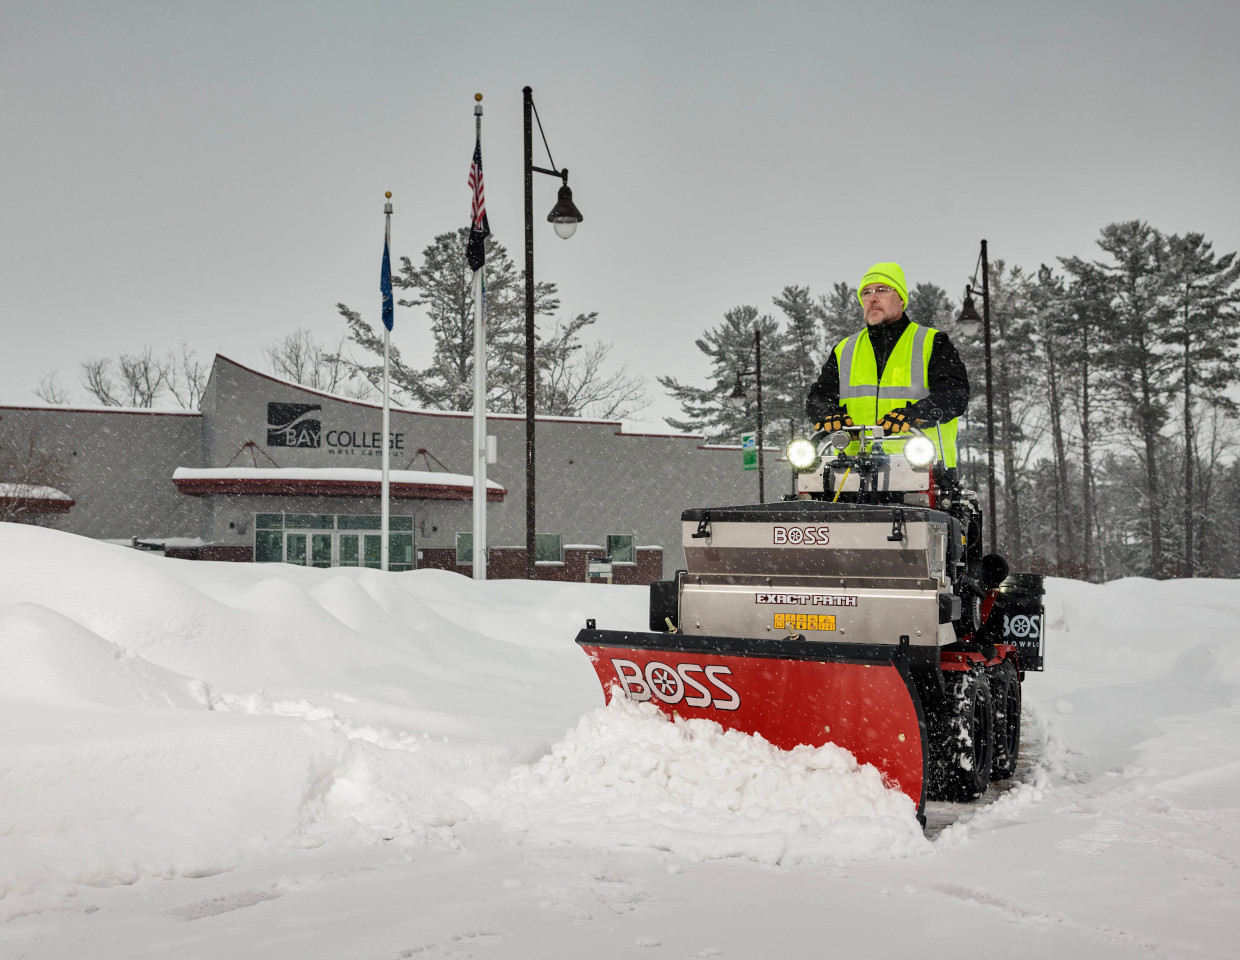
x=662 y=436
x=89 y=408
x=233 y=486
x=417 y=411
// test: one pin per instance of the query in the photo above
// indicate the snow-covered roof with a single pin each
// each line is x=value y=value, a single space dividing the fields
x=26 y=491
x=738 y=447
x=329 y=481
x=328 y=473
x=100 y=408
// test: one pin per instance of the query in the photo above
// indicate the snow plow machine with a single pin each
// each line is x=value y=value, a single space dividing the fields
x=858 y=611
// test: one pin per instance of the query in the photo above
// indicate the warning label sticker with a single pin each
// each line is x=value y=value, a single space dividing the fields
x=804 y=621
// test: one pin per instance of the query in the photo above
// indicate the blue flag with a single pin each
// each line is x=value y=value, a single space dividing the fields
x=385 y=288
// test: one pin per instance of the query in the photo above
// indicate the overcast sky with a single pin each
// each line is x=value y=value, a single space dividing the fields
x=213 y=173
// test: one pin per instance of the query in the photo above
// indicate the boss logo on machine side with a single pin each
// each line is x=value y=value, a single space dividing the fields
x=677 y=684
x=810 y=536
x=1022 y=627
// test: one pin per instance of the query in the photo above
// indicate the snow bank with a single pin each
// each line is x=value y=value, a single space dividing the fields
x=168 y=718
x=626 y=777
x=163 y=718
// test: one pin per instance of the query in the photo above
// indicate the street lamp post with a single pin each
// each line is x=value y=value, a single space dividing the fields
x=737 y=399
x=969 y=322
x=564 y=216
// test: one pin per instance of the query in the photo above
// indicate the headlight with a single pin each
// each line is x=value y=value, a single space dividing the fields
x=919 y=451
x=801 y=454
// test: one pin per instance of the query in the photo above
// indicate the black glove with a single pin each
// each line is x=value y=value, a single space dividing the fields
x=895 y=422
x=833 y=422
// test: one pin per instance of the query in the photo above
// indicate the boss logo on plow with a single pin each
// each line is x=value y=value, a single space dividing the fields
x=812 y=536
x=677 y=684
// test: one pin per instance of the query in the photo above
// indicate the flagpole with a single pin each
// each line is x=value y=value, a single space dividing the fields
x=475 y=256
x=384 y=510
x=480 y=399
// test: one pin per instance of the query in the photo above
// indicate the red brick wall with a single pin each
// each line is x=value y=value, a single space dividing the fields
x=210 y=552
x=437 y=558
x=508 y=563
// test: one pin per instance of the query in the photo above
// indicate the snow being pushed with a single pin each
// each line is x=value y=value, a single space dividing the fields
x=625 y=777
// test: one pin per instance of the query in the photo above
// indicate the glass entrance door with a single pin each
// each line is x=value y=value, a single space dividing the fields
x=295 y=548
x=321 y=549
x=325 y=540
x=374 y=551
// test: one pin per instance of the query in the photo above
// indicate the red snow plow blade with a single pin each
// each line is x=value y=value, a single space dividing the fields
x=860 y=697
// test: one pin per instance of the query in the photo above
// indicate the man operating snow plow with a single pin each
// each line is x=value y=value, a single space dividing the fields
x=861 y=613
x=861 y=610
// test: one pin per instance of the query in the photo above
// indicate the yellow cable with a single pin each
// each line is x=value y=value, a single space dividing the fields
x=841 y=489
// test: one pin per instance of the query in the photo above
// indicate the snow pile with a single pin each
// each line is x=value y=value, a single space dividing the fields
x=164 y=719
x=625 y=776
x=168 y=718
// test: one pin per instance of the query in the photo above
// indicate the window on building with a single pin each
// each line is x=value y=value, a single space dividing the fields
x=332 y=540
x=548 y=548
x=620 y=548
x=362 y=522
x=465 y=549
x=400 y=551
x=309 y=521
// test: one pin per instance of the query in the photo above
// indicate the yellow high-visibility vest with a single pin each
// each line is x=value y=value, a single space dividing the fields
x=904 y=382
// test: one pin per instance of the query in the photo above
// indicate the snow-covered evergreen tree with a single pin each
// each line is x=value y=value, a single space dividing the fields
x=572 y=374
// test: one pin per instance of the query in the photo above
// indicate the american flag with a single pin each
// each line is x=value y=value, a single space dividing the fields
x=479 y=227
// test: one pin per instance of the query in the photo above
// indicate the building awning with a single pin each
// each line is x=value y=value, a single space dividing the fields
x=329 y=482
x=29 y=498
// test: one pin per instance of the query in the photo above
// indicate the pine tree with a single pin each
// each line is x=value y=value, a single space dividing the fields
x=1053 y=330
x=443 y=286
x=1015 y=372
x=1203 y=332
x=1092 y=348
x=1140 y=294
x=572 y=377
x=730 y=348
x=839 y=312
x=930 y=306
x=804 y=340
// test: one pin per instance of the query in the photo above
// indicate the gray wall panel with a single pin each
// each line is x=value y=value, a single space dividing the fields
x=592 y=479
x=119 y=467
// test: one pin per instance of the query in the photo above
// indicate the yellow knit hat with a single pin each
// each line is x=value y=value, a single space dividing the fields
x=888 y=273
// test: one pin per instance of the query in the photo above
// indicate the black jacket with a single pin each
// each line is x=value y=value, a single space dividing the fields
x=948 y=378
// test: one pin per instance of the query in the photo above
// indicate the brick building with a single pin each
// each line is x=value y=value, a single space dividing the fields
x=271 y=471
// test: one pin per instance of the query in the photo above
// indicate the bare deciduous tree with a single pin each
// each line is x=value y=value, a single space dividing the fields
x=97 y=379
x=572 y=381
x=300 y=357
x=187 y=378
x=50 y=389
x=143 y=379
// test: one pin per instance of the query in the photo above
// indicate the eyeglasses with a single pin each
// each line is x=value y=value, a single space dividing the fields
x=877 y=290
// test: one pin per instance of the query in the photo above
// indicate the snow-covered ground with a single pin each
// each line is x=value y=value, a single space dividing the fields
x=226 y=760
